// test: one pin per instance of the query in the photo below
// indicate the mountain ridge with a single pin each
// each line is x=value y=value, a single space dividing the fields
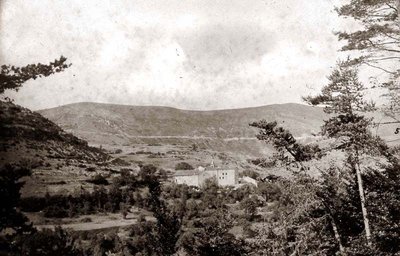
x=169 y=107
x=102 y=123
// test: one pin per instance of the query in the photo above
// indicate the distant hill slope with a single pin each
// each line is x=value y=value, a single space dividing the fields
x=103 y=123
x=29 y=135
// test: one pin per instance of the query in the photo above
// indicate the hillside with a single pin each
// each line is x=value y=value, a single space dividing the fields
x=143 y=133
x=107 y=123
x=28 y=135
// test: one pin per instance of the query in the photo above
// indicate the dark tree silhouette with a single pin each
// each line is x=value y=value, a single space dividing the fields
x=183 y=166
x=377 y=41
x=343 y=98
x=48 y=243
x=10 y=185
x=210 y=236
x=12 y=78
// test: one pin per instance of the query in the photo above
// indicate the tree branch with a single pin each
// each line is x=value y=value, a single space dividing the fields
x=380 y=68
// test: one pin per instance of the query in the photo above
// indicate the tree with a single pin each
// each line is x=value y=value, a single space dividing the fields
x=23 y=238
x=210 y=236
x=160 y=237
x=48 y=243
x=143 y=240
x=250 y=173
x=270 y=191
x=12 y=78
x=377 y=43
x=98 y=179
x=289 y=150
x=343 y=98
x=10 y=186
x=168 y=225
x=298 y=224
x=339 y=198
x=384 y=205
x=183 y=166
x=249 y=205
x=211 y=198
x=124 y=210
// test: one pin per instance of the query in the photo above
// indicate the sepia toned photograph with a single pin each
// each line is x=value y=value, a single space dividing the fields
x=199 y=127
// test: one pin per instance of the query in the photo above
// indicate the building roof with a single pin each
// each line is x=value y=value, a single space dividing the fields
x=200 y=170
x=186 y=173
x=219 y=169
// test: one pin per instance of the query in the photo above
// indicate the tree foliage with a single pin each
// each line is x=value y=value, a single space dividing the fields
x=343 y=98
x=249 y=205
x=159 y=238
x=284 y=142
x=47 y=243
x=337 y=212
x=377 y=43
x=17 y=236
x=10 y=185
x=210 y=236
x=183 y=166
x=12 y=77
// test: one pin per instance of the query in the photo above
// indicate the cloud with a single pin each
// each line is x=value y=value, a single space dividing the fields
x=215 y=47
x=183 y=53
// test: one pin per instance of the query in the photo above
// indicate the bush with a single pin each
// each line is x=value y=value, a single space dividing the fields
x=55 y=211
x=250 y=173
x=48 y=242
x=86 y=219
x=118 y=151
x=91 y=169
x=270 y=191
x=99 y=180
x=263 y=162
x=32 y=204
x=183 y=166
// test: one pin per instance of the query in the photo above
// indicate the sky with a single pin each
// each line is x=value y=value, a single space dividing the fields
x=188 y=54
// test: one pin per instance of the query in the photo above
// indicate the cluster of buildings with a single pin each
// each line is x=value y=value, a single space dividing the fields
x=197 y=177
x=223 y=176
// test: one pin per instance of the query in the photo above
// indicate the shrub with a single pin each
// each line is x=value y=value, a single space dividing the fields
x=48 y=242
x=86 y=219
x=118 y=151
x=183 y=166
x=250 y=173
x=55 y=211
x=269 y=191
x=32 y=204
x=91 y=169
x=99 y=180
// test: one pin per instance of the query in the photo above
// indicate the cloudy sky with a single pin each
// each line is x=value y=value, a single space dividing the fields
x=190 y=54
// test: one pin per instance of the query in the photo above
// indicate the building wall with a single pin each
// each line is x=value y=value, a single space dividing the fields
x=190 y=180
x=223 y=178
x=207 y=174
x=227 y=177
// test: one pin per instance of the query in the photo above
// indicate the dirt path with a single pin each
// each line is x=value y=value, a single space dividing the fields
x=92 y=225
x=98 y=222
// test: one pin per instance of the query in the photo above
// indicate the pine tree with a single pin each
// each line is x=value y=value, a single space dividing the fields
x=377 y=43
x=343 y=98
x=339 y=195
x=10 y=185
x=12 y=78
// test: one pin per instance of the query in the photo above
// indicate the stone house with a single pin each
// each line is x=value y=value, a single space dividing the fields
x=197 y=177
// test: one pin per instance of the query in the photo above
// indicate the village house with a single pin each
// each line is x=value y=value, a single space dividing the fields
x=197 y=177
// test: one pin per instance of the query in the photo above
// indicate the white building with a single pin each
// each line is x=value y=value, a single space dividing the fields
x=224 y=177
x=188 y=177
